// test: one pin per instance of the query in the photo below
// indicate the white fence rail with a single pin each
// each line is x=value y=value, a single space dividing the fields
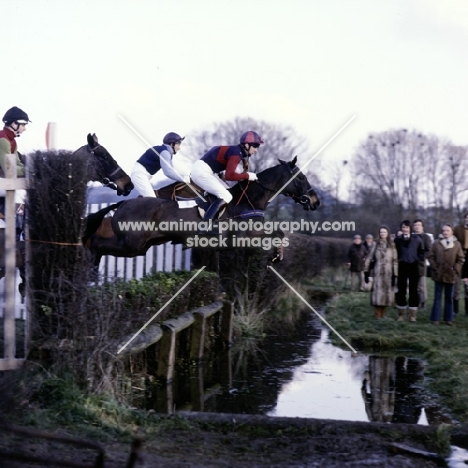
x=9 y=354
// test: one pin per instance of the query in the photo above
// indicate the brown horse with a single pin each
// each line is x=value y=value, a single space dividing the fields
x=137 y=224
x=102 y=167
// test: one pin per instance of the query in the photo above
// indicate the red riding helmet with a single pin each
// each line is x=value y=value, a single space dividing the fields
x=251 y=137
x=172 y=137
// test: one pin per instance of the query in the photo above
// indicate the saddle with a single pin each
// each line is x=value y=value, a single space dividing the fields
x=178 y=187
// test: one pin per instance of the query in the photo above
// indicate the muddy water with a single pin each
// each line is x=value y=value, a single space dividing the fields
x=301 y=374
x=334 y=385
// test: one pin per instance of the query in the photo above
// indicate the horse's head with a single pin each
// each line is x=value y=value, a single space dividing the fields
x=298 y=187
x=104 y=167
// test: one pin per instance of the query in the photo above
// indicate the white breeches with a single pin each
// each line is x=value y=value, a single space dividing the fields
x=205 y=178
x=141 y=179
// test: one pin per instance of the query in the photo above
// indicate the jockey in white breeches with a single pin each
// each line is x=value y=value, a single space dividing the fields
x=225 y=158
x=157 y=158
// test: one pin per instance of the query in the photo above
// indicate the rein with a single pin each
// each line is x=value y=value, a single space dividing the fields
x=298 y=199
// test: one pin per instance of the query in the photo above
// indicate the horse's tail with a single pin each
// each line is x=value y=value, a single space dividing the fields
x=94 y=220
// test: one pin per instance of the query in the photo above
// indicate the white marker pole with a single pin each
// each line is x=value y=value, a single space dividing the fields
x=51 y=134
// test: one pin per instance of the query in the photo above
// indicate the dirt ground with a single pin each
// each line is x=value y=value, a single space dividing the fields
x=211 y=440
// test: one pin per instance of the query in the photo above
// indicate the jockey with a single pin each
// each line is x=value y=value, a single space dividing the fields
x=225 y=158
x=155 y=159
x=15 y=121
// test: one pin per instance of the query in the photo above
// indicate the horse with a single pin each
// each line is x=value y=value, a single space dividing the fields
x=111 y=235
x=101 y=167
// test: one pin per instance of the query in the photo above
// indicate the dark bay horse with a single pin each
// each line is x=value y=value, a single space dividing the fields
x=101 y=167
x=121 y=237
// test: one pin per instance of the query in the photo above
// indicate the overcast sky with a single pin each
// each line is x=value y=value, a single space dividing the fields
x=168 y=65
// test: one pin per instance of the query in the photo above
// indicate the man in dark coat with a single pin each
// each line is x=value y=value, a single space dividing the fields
x=410 y=251
x=356 y=256
x=418 y=228
x=369 y=246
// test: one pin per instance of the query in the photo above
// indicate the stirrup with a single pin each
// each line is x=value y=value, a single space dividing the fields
x=213 y=209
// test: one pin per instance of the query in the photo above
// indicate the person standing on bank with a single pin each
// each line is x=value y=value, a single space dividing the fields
x=225 y=158
x=157 y=158
x=369 y=245
x=356 y=256
x=461 y=233
x=446 y=259
x=382 y=264
x=418 y=228
x=410 y=251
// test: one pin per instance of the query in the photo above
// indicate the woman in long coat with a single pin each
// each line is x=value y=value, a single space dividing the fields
x=382 y=265
x=446 y=260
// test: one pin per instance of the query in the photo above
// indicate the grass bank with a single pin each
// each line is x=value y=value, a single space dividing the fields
x=444 y=349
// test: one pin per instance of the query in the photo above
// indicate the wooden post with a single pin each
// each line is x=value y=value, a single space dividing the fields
x=227 y=322
x=167 y=348
x=197 y=394
x=197 y=339
x=167 y=353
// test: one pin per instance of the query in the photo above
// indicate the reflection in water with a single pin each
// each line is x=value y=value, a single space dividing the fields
x=326 y=386
x=298 y=374
x=391 y=389
x=244 y=379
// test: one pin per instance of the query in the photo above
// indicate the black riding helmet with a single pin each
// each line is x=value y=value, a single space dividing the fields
x=15 y=114
x=172 y=138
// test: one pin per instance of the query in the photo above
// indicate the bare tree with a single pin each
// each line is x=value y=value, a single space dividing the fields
x=280 y=142
x=457 y=167
x=413 y=174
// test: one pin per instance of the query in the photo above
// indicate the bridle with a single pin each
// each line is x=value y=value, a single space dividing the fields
x=106 y=181
x=303 y=199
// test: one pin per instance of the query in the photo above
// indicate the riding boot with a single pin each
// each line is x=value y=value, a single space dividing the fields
x=466 y=306
x=456 y=304
x=382 y=312
x=401 y=314
x=211 y=213
x=412 y=314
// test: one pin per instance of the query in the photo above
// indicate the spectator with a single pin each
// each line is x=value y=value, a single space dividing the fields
x=15 y=121
x=369 y=245
x=410 y=255
x=446 y=259
x=382 y=264
x=418 y=229
x=461 y=233
x=356 y=256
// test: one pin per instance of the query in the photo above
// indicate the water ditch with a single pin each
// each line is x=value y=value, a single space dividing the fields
x=301 y=373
